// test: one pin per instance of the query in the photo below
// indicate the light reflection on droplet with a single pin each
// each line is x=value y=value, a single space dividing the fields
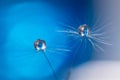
x=84 y=30
x=40 y=45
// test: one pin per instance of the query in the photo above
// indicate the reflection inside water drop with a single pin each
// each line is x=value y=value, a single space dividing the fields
x=40 y=45
x=84 y=30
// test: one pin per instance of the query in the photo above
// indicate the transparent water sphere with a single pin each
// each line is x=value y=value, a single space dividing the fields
x=40 y=45
x=84 y=30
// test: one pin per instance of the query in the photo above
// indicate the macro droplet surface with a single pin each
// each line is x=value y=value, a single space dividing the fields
x=40 y=45
x=84 y=30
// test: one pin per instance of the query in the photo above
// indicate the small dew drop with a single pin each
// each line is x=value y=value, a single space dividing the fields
x=84 y=30
x=40 y=45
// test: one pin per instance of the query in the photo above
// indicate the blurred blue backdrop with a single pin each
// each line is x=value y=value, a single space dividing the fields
x=24 y=21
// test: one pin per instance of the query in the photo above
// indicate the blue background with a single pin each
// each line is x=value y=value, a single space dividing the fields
x=22 y=22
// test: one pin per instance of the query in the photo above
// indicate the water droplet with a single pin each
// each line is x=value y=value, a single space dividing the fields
x=84 y=30
x=40 y=45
